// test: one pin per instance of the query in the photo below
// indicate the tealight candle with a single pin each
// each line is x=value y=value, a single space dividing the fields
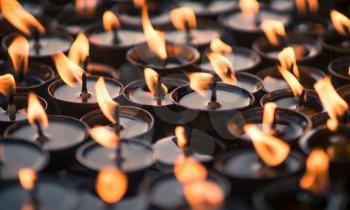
x=339 y=69
x=312 y=25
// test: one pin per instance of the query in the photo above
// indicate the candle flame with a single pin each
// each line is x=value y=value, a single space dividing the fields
x=187 y=169
x=271 y=150
x=340 y=22
x=139 y=3
x=27 y=178
x=18 y=52
x=249 y=7
x=349 y=71
x=79 y=51
x=332 y=102
x=13 y=11
x=200 y=81
x=223 y=68
x=36 y=112
x=183 y=18
x=303 y=6
x=181 y=138
x=269 y=117
x=287 y=60
x=292 y=81
x=85 y=7
x=152 y=79
x=220 y=47
x=316 y=178
x=69 y=71
x=105 y=137
x=273 y=30
x=7 y=84
x=111 y=185
x=110 y=21
x=105 y=101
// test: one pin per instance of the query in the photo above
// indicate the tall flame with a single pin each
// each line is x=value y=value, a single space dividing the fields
x=273 y=29
x=340 y=22
x=86 y=7
x=187 y=169
x=19 y=17
x=249 y=7
x=105 y=101
x=287 y=60
x=269 y=117
x=181 y=138
x=200 y=81
x=105 y=137
x=27 y=178
x=332 y=102
x=139 y=3
x=293 y=82
x=152 y=79
x=272 y=151
x=7 y=84
x=69 y=72
x=183 y=18
x=18 y=52
x=110 y=21
x=79 y=51
x=111 y=185
x=304 y=6
x=36 y=112
x=220 y=47
x=223 y=68
x=316 y=178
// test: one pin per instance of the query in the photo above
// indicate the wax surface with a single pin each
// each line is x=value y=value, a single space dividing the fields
x=282 y=5
x=199 y=36
x=132 y=127
x=273 y=83
x=4 y=116
x=291 y=103
x=239 y=61
x=158 y=19
x=168 y=193
x=126 y=37
x=50 y=45
x=141 y=96
x=212 y=7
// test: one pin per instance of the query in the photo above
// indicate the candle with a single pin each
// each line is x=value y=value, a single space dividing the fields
x=339 y=71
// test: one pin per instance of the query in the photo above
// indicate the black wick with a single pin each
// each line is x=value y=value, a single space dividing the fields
x=118 y=155
x=116 y=39
x=159 y=95
x=117 y=126
x=84 y=94
x=302 y=99
x=187 y=150
x=11 y=107
x=188 y=33
x=41 y=136
x=37 y=46
x=213 y=103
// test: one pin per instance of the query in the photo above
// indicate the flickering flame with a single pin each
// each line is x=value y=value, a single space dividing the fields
x=152 y=79
x=204 y=195
x=105 y=137
x=249 y=7
x=79 y=51
x=223 y=68
x=200 y=81
x=218 y=46
x=332 y=102
x=27 y=178
x=273 y=30
x=18 y=52
x=139 y=3
x=292 y=81
x=111 y=185
x=287 y=60
x=187 y=169
x=269 y=117
x=110 y=21
x=36 y=112
x=69 y=72
x=155 y=39
x=304 y=6
x=7 y=84
x=105 y=101
x=183 y=18
x=349 y=71
x=86 y=7
x=340 y=22
x=181 y=138
x=19 y=17
x=271 y=150
x=316 y=178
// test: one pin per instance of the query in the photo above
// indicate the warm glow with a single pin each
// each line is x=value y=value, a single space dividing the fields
x=86 y=7
x=340 y=22
x=7 y=84
x=292 y=81
x=187 y=169
x=183 y=18
x=139 y=3
x=181 y=138
x=79 y=51
x=69 y=72
x=36 y=112
x=218 y=46
x=27 y=178
x=105 y=137
x=304 y=6
x=249 y=7
x=106 y=103
x=155 y=39
x=110 y=21
x=269 y=117
x=223 y=68
x=18 y=52
x=316 y=177
x=200 y=81
x=271 y=150
x=273 y=30
x=111 y=185
x=152 y=79
x=349 y=71
x=332 y=102
x=19 y=17
x=287 y=60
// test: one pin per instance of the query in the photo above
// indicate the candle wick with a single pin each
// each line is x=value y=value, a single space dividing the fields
x=42 y=139
x=84 y=94
x=282 y=41
x=213 y=103
x=11 y=107
x=257 y=19
x=117 y=126
x=116 y=39
x=159 y=95
x=86 y=63
x=187 y=150
x=118 y=157
x=302 y=99
x=36 y=36
x=188 y=33
x=108 y=206
x=34 y=202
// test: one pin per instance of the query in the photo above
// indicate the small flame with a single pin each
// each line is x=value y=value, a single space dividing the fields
x=18 y=52
x=204 y=195
x=272 y=151
x=111 y=185
x=187 y=169
x=273 y=29
x=36 y=112
x=332 y=102
x=220 y=47
x=152 y=79
x=105 y=137
x=293 y=82
x=27 y=178
x=69 y=72
x=269 y=117
x=200 y=81
x=340 y=22
x=86 y=7
x=249 y=7
x=287 y=60
x=139 y=3
x=79 y=51
x=105 y=101
x=223 y=68
x=349 y=71
x=19 y=17
x=316 y=178
x=155 y=39
x=181 y=138
x=304 y=6
x=110 y=21
x=183 y=18
x=7 y=84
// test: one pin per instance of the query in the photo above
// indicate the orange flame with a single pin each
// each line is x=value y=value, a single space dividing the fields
x=18 y=52
x=187 y=170
x=287 y=60
x=293 y=82
x=105 y=137
x=152 y=78
x=105 y=101
x=183 y=18
x=36 y=112
x=316 y=178
x=111 y=185
x=69 y=72
x=181 y=138
x=269 y=117
x=204 y=195
x=85 y=7
x=332 y=102
x=249 y=7
x=155 y=39
x=79 y=51
x=306 y=5
x=273 y=29
x=139 y=3
x=27 y=178
x=7 y=84
x=220 y=47
x=200 y=81
x=340 y=22
x=19 y=17
x=349 y=71
x=223 y=68
x=110 y=21
x=272 y=151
